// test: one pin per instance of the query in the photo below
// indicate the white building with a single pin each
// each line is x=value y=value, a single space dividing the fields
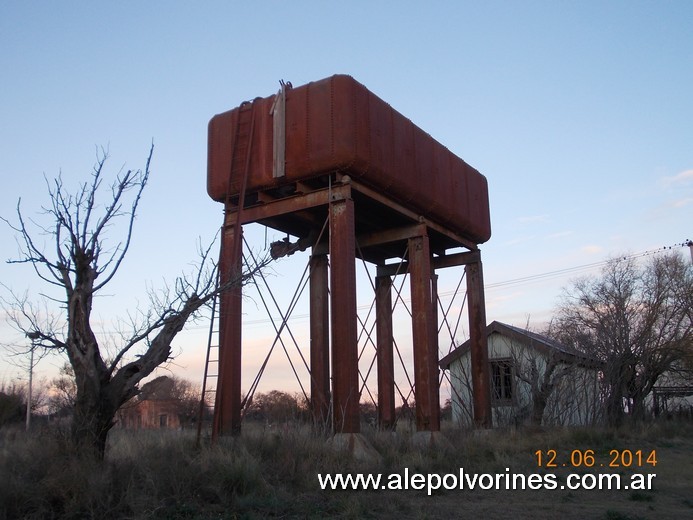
x=533 y=379
x=673 y=393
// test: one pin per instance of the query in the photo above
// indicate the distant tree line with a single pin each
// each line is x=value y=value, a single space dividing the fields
x=637 y=320
x=623 y=334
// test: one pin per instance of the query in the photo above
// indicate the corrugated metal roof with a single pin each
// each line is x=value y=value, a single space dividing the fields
x=528 y=338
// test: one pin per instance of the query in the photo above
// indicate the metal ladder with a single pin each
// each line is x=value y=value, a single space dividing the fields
x=237 y=183
x=208 y=393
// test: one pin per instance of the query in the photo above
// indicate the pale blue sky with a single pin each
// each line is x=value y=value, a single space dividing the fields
x=578 y=113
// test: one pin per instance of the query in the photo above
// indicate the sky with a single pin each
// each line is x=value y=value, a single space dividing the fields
x=579 y=114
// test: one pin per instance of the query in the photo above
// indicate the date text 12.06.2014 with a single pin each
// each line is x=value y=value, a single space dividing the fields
x=587 y=458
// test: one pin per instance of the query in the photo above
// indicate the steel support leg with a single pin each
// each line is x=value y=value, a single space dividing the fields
x=385 y=356
x=227 y=409
x=319 y=340
x=434 y=321
x=345 y=382
x=481 y=388
x=425 y=351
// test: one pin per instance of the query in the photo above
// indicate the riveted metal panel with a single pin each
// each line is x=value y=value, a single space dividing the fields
x=336 y=124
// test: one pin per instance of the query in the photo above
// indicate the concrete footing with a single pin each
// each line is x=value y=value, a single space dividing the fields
x=430 y=440
x=355 y=445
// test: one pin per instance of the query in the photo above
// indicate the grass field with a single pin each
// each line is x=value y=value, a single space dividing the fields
x=272 y=473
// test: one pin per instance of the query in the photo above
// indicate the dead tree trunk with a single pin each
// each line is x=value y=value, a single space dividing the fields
x=80 y=263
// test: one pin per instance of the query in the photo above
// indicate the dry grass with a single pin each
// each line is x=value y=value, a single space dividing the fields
x=273 y=473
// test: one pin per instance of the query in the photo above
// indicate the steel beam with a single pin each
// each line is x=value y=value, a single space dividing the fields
x=403 y=210
x=425 y=352
x=319 y=340
x=227 y=409
x=383 y=237
x=294 y=203
x=385 y=352
x=345 y=383
x=438 y=262
x=481 y=387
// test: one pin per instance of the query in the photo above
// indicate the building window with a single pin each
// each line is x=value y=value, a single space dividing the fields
x=163 y=421
x=502 y=381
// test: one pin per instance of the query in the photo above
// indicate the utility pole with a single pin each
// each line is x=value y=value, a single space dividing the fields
x=690 y=246
x=28 y=397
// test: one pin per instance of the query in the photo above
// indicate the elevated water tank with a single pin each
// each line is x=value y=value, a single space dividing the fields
x=338 y=125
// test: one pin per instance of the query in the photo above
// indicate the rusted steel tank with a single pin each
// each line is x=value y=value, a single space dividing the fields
x=338 y=125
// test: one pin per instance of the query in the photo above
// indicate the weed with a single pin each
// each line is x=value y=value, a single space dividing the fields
x=639 y=496
x=272 y=472
x=617 y=515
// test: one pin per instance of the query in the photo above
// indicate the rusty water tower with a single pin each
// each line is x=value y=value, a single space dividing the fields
x=334 y=166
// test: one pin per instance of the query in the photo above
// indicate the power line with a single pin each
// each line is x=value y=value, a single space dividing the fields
x=579 y=268
x=528 y=279
x=505 y=283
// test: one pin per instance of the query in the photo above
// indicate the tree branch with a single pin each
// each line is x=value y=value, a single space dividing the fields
x=123 y=186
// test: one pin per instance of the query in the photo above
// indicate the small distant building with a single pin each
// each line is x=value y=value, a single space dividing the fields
x=533 y=380
x=673 y=393
x=672 y=401
x=150 y=414
x=154 y=407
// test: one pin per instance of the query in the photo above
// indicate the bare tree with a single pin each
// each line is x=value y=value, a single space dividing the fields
x=63 y=392
x=276 y=406
x=636 y=320
x=560 y=386
x=542 y=375
x=18 y=391
x=12 y=403
x=80 y=263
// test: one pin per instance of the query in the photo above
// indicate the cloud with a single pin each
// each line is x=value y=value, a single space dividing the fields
x=560 y=234
x=519 y=240
x=684 y=177
x=682 y=202
x=591 y=249
x=497 y=300
x=531 y=219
